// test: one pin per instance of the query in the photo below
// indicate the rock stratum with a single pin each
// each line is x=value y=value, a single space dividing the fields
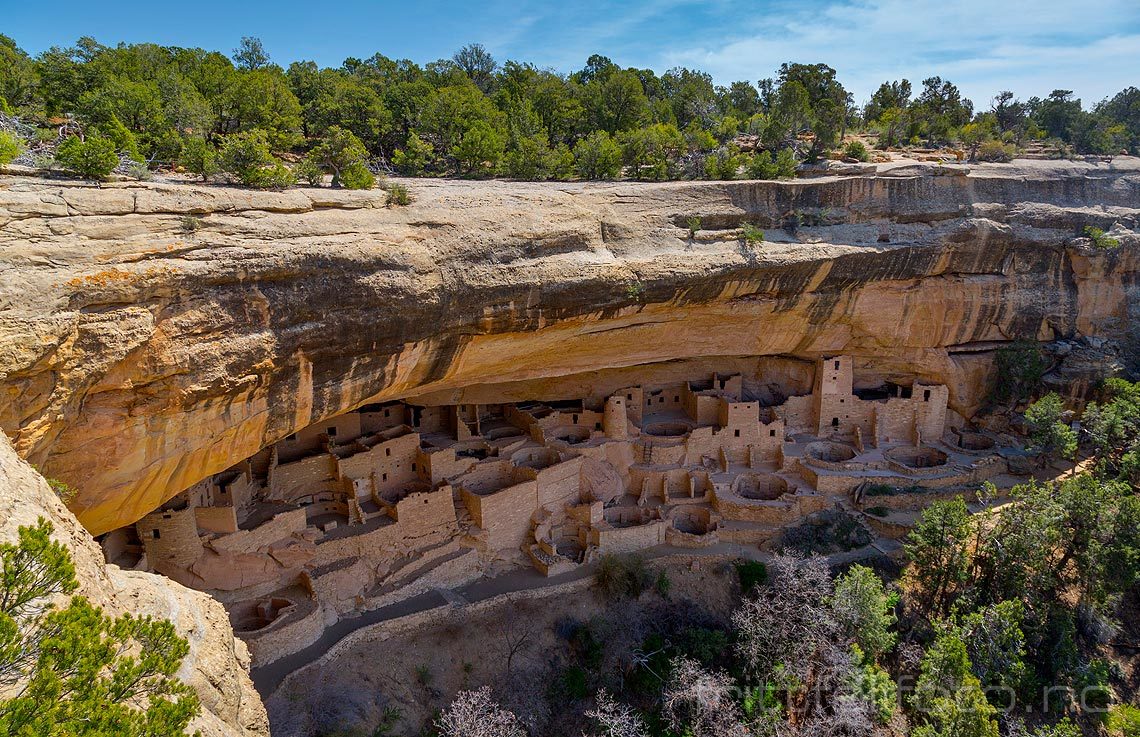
x=154 y=334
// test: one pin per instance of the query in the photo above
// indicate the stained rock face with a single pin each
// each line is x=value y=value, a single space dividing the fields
x=217 y=667
x=151 y=335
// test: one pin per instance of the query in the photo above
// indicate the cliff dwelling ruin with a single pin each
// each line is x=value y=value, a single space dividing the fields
x=364 y=508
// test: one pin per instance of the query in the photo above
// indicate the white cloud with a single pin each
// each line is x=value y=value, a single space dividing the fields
x=982 y=45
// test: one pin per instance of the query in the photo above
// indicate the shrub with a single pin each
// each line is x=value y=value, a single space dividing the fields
x=597 y=156
x=83 y=672
x=856 y=150
x=620 y=576
x=190 y=223
x=996 y=151
x=398 y=194
x=663 y=584
x=763 y=166
x=199 y=157
x=1099 y=239
x=751 y=573
x=275 y=176
x=693 y=223
x=309 y=172
x=93 y=158
x=357 y=176
x=751 y=233
x=10 y=147
x=245 y=156
x=1019 y=369
x=724 y=162
x=1124 y=721
x=414 y=157
x=339 y=152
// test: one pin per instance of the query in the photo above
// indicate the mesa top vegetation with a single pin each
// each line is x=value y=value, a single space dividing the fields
x=470 y=115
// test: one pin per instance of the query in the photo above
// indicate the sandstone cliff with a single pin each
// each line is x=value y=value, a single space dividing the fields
x=153 y=334
x=217 y=666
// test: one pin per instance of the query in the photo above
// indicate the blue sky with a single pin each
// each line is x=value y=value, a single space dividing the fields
x=1090 y=46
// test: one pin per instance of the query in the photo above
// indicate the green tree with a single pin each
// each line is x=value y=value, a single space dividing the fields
x=597 y=156
x=650 y=151
x=1050 y=436
x=948 y=698
x=478 y=64
x=337 y=150
x=864 y=611
x=616 y=102
x=250 y=54
x=199 y=157
x=1018 y=369
x=91 y=158
x=480 y=149
x=18 y=76
x=82 y=673
x=937 y=549
x=10 y=147
x=246 y=156
x=358 y=176
x=413 y=159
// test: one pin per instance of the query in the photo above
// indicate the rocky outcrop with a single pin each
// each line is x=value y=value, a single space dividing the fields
x=217 y=667
x=153 y=334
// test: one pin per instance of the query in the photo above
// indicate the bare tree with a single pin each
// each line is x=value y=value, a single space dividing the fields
x=788 y=624
x=514 y=629
x=476 y=714
x=616 y=719
x=700 y=702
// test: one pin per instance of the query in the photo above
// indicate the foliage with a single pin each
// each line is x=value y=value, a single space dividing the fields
x=82 y=672
x=597 y=156
x=199 y=157
x=693 y=223
x=413 y=159
x=480 y=149
x=751 y=233
x=948 y=698
x=358 y=176
x=398 y=195
x=937 y=551
x=829 y=531
x=864 y=610
x=725 y=162
x=700 y=703
x=338 y=152
x=1018 y=371
x=995 y=151
x=651 y=151
x=856 y=150
x=621 y=576
x=309 y=172
x=1124 y=721
x=90 y=158
x=1099 y=239
x=763 y=166
x=245 y=156
x=1049 y=434
x=751 y=573
x=1113 y=426
x=615 y=719
x=10 y=147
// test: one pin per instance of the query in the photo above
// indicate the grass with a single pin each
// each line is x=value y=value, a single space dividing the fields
x=751 y=233
x=398 y=195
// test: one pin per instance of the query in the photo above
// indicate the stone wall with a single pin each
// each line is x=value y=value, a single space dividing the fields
x=282 y=525
x=170 y=538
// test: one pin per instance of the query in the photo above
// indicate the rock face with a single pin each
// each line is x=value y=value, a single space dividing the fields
x=154 y=334
x=218 y=664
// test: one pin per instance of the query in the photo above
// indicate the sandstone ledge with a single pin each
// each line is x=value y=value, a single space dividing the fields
x=153 y=334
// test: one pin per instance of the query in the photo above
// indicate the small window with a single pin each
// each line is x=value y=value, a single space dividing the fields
x=736 y=433
x=597 y=426
x=384 y=477
x=629 y=397
x=926 y=396
x=837 y=365
x=835 y=422
x=387 y=451
x=387 y=413
x=676 y=399
x=841 y=401
x=413 y=467
x=332 y=432
x=574 y=419
x=661 y=400
x=771 y=433
x=155 y=534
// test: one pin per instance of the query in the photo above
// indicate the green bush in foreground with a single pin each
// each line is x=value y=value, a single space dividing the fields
x=83 y=673
x=90 y=158
x=10 y=147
